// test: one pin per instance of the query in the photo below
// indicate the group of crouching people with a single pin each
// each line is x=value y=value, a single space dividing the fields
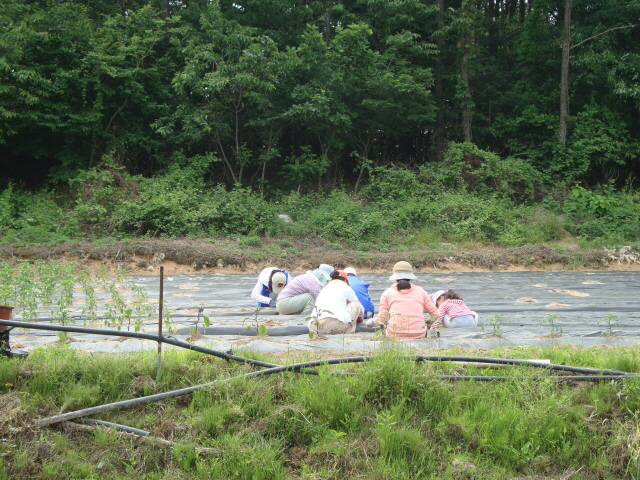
x=337 y=300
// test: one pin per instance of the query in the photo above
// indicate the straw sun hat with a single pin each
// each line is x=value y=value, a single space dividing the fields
x=402 y=271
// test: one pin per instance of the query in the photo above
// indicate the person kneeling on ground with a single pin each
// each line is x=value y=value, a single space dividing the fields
x=362 y=292
x=299 y=296
x=270 y=283
x=337 y=308
x=452 y=311
x=402 y=306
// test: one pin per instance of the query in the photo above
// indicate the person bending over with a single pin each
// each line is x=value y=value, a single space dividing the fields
x=402 y=306
x=270 y=283
x=362 y=291
x=337 y=308
x=299 y=296
x=452 y=311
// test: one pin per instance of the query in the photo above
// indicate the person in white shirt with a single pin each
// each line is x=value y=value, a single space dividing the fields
x=337 y=307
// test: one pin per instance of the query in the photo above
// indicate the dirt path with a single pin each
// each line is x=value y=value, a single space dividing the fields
x=217 y=255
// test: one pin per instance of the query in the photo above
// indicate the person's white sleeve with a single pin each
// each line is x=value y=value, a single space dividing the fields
x=256 y=294
x=351 y=295
x=263 y=279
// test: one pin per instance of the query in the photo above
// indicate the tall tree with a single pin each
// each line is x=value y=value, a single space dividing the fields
x=564 y=75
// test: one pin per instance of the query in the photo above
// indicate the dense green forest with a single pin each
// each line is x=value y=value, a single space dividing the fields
x=506 y=121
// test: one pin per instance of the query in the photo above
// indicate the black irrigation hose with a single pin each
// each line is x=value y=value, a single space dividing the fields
x=506 y=361
x=145 y=336
x=117 y=426
x=250 y=314
x=577 y=378
x=297 y=366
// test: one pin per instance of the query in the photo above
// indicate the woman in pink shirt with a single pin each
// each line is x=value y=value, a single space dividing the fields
x=402 y=306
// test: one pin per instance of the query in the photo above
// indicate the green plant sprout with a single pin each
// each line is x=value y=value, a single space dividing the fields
x=495 y=323
x=609 y=321
x=205 y=320
x=167 y=317
x=550 y=319
x=36 y=287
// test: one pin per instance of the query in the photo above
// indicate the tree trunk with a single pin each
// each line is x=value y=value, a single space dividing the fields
x=439 y=133
x=564 y=74
x=327 y=27
x=503 y=31
x=164 y=9
x=464 y=76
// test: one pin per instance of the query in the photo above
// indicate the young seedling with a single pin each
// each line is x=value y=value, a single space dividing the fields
x=261 y=330
x=609 y=321
x=194 y=330
x=495 y=323
x=556 y=330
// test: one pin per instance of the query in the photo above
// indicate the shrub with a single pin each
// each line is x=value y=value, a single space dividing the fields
x=39 y=219
x=469 y=168
x=532 y=226
x=465 y=217
x=392 y=183
x=99 y=191
x=238 y=212
x=341 y=217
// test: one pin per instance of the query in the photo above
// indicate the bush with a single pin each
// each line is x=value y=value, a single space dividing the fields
x=99 y=192
x=238 y=212
x=37 y=218
x=465 y=217
x=533 y=226
x=394 y=183
x=606 y=214
x=469 y=168
x=341 y=217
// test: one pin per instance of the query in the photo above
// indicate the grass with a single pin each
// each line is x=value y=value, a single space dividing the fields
x=391 y=420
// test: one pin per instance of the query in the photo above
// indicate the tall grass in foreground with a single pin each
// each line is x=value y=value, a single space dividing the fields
x=393 y=420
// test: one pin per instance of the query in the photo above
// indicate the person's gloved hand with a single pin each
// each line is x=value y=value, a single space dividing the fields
x=272 y=303
x=369 y=323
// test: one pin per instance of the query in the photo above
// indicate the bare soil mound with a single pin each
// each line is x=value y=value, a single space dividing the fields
x=144 y=256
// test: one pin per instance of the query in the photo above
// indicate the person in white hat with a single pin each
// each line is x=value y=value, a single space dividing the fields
x=299 y=296
x=270 y=283
x=402 y=306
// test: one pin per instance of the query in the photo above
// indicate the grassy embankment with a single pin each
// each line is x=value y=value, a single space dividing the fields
x=446 y=210
x=391 y=420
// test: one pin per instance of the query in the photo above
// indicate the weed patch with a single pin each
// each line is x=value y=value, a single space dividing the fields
x=391 y=419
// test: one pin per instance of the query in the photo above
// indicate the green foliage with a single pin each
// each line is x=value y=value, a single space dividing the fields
x=38 y=288
x=610 y=322
x=341 y=217
x=179 y=203
x=99 y=191
x=532 y=226
x=550 y=318
x=467 y=167
x=495 y=323
x=392 y=419
x=35 y=218
x=608 y=214
x=395 y=184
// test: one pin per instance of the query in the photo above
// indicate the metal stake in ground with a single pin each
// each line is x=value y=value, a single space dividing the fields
x=160 y=321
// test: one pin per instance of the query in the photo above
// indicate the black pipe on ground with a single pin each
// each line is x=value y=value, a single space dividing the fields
x=139 y=335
